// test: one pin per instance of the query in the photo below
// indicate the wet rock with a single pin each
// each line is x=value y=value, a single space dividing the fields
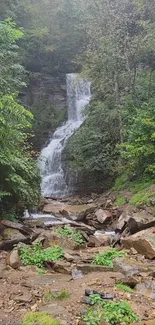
x=13 y=259
x=146 y=289
x=103 y=215
x=99 y=239
x=62 y=267
x=77 y=274
x=143 y=242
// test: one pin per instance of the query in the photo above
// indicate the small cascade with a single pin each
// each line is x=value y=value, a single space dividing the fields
x=50 y=163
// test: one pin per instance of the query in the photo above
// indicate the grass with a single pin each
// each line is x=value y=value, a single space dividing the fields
x=124 y=287
x=36 y=255
x=39 y=318
x=106 y=258
x=120 y=201
x=71 y=234
x=56 y=295
x=113 y=313
x=142 y=190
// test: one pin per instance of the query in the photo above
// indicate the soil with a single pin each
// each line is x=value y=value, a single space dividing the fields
x=24 y=290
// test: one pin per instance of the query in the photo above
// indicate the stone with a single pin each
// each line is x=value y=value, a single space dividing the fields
x=25 y=298
x=129 y=266
x=143 y=242
x=129 y=281
x=62 y=267
x=13 y=259
x=146 y=289
x=99 y=239
x=68 y=257
x=53 y=238
x=88 y=268
x=77 y=274
x=140 y=221
x=12 y=234
x=103 y=215
x=53 y=309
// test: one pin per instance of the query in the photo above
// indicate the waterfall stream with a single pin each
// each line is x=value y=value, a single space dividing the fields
x=50 y=163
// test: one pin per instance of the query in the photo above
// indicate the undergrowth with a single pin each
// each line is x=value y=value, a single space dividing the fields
x=71 y=234
x=124 y=287
x=56 y=295
x=106 y=258
x=113 y=313
x=36 y=255
x=143 y=190
x=120 y=201
x=39 y=318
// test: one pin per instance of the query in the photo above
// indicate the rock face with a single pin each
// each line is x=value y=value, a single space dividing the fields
x=135 y=222
x=13 y=259
x=143 y=242
x=129 y=266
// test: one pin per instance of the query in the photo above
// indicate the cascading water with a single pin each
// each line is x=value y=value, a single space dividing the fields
x=53 y=176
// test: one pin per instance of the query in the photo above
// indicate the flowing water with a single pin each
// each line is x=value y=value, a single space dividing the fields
x=53 y=176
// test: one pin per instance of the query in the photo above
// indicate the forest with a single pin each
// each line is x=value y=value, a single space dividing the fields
x=112 y=44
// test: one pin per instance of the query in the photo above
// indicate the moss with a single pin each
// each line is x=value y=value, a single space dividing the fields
x=39 y=318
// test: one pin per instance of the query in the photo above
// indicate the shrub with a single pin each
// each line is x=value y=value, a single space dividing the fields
x=35 y=255
x=107 y=257
x=71 y=234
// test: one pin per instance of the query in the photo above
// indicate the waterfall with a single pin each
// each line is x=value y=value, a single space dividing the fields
x=53 y=177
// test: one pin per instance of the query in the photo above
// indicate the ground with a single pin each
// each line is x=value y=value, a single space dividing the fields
x=25 y=289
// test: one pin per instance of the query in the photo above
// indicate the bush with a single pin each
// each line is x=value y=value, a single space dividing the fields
x=107 y=257
x=71 y=234
x=35 y=255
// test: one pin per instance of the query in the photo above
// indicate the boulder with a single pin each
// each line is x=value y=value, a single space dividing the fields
x=13 y=259
x=129 y=266
x=143 y=242
x=88 y=268
x=53 y=238
x=62 y=267
x=99 y=239
x=140 y=221
x=103 y=215
x=146 y=289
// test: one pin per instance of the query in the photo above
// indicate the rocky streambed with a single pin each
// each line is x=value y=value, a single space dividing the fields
x=102 y=227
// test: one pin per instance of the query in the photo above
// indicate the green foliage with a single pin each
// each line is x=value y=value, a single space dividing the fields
x=112 y=312
x=71 y=234
x=35 y=255
x=56 y=295
x=92 y=150
x=19 y=177
x=120 y=201
x=39 y=318
x=11 y=72
x=107 y=257
x=124 y=287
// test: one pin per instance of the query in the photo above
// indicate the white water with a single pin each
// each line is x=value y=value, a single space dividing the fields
x=53 y=176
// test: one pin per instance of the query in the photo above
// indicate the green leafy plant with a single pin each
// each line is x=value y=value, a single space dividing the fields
x=39 y=318
x=124 y=287
x=93 y=317
x=56 y=295
x=36 y=255
x=71 y=234
x=112 y=312
x=107 y=257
